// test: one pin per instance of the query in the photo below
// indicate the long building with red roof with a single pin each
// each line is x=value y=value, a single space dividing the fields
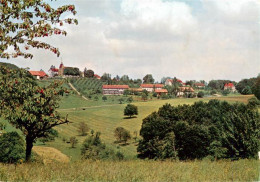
x=39 y=74
x=114 y=89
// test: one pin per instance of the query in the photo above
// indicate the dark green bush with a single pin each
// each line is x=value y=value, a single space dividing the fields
x=12 y=148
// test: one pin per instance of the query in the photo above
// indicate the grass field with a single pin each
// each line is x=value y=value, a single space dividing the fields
x=105 y=118
x=135 y=170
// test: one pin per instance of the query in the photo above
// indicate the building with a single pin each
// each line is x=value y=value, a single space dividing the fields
x=61 y=69
x=183 y=90
x=39 y=74
x=230 y=86
x=97 y=76
x=199 y=85
x=53 y=71
x=114 y=89
x=169 y=82
x=161 y=91
x=151 y=87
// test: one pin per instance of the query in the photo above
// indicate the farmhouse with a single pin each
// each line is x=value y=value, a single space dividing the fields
x=53 y=71
x=39 y=74
x=161 y=91
x=183 y=90
x=169 y=82
x=230 y=86
x=151 y=87
x=199 y=85
x=114 y=89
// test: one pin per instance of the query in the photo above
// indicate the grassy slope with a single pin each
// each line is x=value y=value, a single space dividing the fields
x=106 y=118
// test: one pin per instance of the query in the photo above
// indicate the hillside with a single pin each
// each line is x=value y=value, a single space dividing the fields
x=8 y=65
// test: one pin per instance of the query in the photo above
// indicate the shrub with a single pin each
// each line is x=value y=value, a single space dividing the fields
x=213 y=92
x=12 y=148
x=226 y=92
x=200 y=94
x=104 y=98
x=122 y=134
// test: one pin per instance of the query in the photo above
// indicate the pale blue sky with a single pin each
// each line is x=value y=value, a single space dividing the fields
x=189 y=39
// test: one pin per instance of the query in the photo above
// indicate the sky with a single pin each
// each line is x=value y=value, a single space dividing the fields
x=187 y=39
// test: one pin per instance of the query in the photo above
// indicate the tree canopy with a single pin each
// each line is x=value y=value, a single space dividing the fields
x=25 y=23
x=148 y=79
x=215 y=129
x=29 y=107
x=130 y=110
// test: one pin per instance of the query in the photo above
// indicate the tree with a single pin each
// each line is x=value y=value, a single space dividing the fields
x=256 y=88
x=130 y=110
x=148 y=79
x=245 y=86
x=217 y=129
x=50 y=136
x=121 y=100
x=89 y=74
x=126 y=136
x=71 y=71
x=144 y=97
x=83 y=129
x=104 y=98
x=200 y=94
x=118 y=133
x=12 y=148
x=25 y=23
x=28 y=106
x=130 y=99
x=73 y=142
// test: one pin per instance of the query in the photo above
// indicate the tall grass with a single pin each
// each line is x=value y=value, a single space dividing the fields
x=135 y=170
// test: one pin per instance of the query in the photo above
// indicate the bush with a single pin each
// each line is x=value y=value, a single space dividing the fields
x=94 y=149
x=216 y=129
x=122 y=134
x=213 y=92
x=200 y=94
x=12 y=148
x=226 y=92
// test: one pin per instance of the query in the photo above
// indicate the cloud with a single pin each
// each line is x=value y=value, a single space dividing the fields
x=213 y=39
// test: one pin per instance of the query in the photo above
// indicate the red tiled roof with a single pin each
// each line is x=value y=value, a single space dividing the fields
x=199 y=84
x=182 y=89
x=229 y=85
x=161 y=90
x=38 y=73
x=54 y=69
x=171 y=80
x=97 y=76
x=61 y=65
x=152 y=85
x=115 y=87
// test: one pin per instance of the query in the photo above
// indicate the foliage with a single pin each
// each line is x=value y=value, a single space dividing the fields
x=122 y=134
x=89 y=74
x=218 y=84
x=73 y=142
x=148 y=79
x=225 y=92
x=8 y=65
x=71 y=71
x=12 y=148
x=130 y=99
x=216 y=129
x=83 y=129
x=25 y=23
x=50 y=136
x=256 y=88
x=144 y=97
x=130 y=110
x=121 y=100
x=93 y=148
x=212 y=92
x=104 y=98
x=200 y=94
x=245 y=86
x=27 y=106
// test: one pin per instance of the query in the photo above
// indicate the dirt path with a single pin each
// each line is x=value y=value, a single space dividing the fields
x=77 y=91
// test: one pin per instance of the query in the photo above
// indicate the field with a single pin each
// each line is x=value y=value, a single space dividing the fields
x=134 y=170
x=105 y=117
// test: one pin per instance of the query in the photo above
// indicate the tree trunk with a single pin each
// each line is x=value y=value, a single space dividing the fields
x=29 y=146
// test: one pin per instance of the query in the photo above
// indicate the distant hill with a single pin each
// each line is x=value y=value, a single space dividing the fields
x=8 y=65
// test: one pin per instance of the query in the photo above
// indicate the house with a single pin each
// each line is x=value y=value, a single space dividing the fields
x=199 y=85
x=114 y=89
x=161 y=91
x=39 y=75
x=151 y=87
x=53 y=71
x=170 y=82
x=230 y=86
x=182 y=91
x=97 y=76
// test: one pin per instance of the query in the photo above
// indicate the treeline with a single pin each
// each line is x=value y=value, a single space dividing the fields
x=215 y=129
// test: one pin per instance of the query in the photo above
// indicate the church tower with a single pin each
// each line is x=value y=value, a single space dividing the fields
x=61 y=69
